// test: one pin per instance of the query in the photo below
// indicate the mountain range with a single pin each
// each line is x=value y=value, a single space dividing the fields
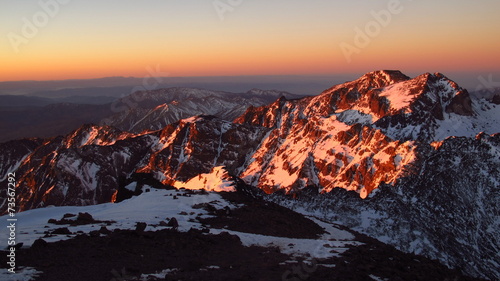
x=413 y=162
x=45 y=117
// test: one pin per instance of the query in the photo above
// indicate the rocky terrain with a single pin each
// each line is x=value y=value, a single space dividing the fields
x=214 y=245
x=412 y=162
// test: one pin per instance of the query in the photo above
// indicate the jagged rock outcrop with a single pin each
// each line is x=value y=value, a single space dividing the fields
x=194 y=146
x=81 y=169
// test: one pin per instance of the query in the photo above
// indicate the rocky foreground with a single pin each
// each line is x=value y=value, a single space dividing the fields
x=214 y=250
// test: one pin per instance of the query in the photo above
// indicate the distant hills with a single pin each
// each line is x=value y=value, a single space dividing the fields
x=33 y=116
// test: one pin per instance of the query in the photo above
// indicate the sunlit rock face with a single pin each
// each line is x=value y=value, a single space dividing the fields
x=196 y=145
x=357 y=136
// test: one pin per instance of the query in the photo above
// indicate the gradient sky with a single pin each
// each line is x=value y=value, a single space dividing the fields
x=91 y=38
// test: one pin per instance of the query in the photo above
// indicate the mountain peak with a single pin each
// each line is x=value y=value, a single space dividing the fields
x=394 y=74
x=383 y=78
x=372 y=80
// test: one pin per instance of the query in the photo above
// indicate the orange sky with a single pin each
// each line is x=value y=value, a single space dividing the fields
x=90 y=39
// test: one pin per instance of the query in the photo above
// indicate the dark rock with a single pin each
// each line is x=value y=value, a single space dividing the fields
x=39 y=243
x=140 y=227
x=85 y=218
x=62 y=230
x=104 y=230
x=461 y=104
x=265 y=218
x=18 y=246
x=496 y=98
x=173 y=223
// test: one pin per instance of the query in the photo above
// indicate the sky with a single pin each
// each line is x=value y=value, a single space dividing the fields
x=80 y=39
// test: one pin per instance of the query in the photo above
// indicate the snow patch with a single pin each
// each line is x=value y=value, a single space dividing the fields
x=142 y=208
x=351 y=117
x=22 y=274
x=217 y=180
x=487 y=120
x=131 y=186
x=160 y=275
x=399 y=96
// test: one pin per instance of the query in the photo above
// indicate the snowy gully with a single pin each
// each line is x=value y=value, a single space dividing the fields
x=11 y=221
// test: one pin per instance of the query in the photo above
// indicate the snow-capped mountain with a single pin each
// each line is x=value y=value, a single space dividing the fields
x=447 y=209
x=155 y=109
x=362 y=133
x=142 y=110
x=419 y=151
